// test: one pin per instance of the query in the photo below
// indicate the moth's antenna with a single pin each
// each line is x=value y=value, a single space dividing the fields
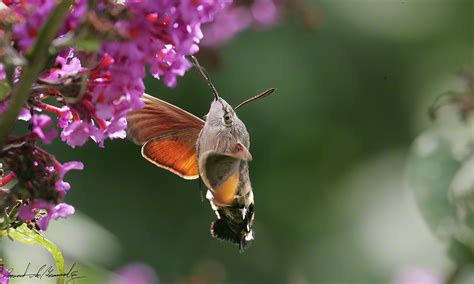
x=260 y=96
x=204 y=74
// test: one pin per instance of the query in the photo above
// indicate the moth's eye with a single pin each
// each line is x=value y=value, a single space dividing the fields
x=227 y=118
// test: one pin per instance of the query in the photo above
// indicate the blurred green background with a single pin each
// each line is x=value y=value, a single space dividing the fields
x=329 y=154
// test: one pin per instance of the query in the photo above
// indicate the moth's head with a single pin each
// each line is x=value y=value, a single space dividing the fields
x=221 y=114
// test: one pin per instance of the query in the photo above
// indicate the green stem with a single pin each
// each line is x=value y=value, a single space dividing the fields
x=38 y=58
x=24 y=235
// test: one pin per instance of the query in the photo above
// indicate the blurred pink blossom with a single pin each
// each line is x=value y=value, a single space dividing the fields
x=136 y=273
x=416 y=276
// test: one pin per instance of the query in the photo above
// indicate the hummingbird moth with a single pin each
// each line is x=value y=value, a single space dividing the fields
x=217 y=150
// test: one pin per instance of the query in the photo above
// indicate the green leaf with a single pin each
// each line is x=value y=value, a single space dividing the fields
x=430 y=170
x=440 y=171
x=27 y=236
x=462 y=186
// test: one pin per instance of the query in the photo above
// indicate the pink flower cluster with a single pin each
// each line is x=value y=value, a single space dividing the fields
x=32 y=14
x=237 y=18
x=4 y=274
x=416 y=275
x=158 y=34
x=30 y=212
x=40 y=187
x=139 y=273
x=87 y=93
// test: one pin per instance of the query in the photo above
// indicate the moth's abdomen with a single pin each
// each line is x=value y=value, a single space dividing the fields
x=234 y=224
x=225 y=193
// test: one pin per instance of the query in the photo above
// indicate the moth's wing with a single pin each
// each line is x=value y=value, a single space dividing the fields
x=158 y=118
x=175 y=152
x=168 y=135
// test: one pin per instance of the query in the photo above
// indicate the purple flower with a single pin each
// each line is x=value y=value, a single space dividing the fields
x=117 y=127
x=416 y=276
x=201 y=10
x=43 y=212
x=3 y=75
x=265 y=12
x=77 y=133
x=163 y=33
x=65 y=117
x=236 y=18
x=34 y=13
x=62 y=210
x=40 y=122
x=66 y=66
x=157 y=34
x=76 y=15
x=105 y=111
x=40 y=177
x=25 y=114
x=62 y=169
x=137 y=273
x=28 y=212
x=4 y=274
x=4 y=105
x=227 y=25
